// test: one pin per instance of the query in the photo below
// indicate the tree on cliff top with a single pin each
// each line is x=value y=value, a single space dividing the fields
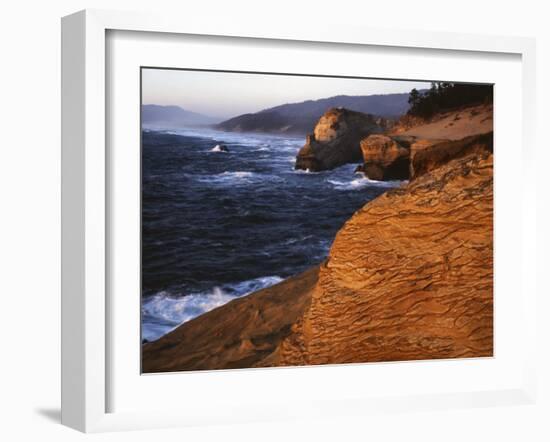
x=444 y=96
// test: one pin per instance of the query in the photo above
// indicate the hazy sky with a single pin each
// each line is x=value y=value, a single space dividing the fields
x=223 y=94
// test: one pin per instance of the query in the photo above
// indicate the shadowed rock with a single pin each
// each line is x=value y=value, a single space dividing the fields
x=386 y=158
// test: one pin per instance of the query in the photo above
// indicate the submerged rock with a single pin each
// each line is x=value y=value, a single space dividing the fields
x=335 y=140
x=220 y=148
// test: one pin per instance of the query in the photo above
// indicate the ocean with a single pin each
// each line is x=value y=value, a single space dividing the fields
x=219 y=225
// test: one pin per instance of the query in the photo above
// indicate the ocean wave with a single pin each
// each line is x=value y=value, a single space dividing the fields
x=235 y=178
x=164 y=311
x=360 y=183
x=296 y=240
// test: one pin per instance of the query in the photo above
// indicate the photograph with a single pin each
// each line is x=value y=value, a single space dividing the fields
x=292 y=220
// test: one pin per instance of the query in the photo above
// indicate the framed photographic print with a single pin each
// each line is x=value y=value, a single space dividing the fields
x=244 y=221
x=241 y=208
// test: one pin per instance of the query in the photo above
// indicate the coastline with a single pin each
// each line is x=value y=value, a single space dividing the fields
x=408 y=277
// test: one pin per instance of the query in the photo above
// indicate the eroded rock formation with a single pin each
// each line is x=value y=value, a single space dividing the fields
x=335 y=140
x=414 y=146
x=386 y=158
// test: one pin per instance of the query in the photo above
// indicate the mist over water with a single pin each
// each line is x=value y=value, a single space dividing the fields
x=218 y=225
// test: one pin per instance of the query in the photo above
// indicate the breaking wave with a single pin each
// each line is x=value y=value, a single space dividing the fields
x=359 y=183
x=163 y=311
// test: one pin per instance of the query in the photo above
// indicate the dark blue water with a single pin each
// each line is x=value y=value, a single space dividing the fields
x=219 y=225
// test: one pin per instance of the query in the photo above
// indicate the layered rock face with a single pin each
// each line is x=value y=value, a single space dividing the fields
x=409 y=276
x=335 y=140
x=386 y=158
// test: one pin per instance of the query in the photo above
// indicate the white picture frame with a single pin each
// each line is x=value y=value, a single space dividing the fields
x=85 y=206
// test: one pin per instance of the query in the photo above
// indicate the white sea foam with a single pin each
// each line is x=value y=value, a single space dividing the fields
x=163 y=312
x=219 y=148
x=306 y=171
x=359 y=183
x=296 y=240
x=235 y=178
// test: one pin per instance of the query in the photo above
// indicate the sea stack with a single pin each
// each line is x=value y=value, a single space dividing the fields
x=335 y=140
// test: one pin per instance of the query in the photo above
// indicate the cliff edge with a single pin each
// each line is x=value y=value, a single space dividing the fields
x=414 y=146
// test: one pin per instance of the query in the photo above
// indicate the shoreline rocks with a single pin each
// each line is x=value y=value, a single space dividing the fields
x=406 y=157
x=336 y=140
x=385 y=158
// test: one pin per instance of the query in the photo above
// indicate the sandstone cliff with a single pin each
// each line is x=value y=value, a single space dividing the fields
x=335 y=140
x=409 y=276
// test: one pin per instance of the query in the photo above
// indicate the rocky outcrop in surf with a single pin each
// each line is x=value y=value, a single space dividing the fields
x=220 y=148
x=336 y=140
